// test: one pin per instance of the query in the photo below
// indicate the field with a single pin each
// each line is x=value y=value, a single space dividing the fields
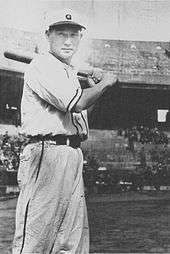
x=120 y=223
x=130 y=225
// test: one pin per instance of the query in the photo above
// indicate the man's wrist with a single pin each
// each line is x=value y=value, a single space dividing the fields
x=90 y=71
x=103 y=85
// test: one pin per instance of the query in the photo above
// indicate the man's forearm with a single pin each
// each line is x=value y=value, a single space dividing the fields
x=90 y=96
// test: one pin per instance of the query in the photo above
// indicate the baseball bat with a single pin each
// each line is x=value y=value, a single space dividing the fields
x=24 y=58
x=27 y=58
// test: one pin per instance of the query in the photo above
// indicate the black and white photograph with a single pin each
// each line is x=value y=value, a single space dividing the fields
x=84 y=126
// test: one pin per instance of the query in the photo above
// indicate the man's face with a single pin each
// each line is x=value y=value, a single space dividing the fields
x=64 y=42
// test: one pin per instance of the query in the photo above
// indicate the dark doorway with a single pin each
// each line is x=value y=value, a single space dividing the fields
x=11 y=85
x=126 y=107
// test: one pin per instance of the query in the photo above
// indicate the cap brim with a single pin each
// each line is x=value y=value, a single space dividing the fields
x=67 y=23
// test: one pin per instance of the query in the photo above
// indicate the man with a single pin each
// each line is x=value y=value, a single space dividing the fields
x=51 y=214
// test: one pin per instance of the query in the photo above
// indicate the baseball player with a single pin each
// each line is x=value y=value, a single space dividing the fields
x=51 y=214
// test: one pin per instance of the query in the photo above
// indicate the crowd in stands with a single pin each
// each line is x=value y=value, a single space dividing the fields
x=96 y=173
x=145 y=135
x=151 y=161
x=10 y=148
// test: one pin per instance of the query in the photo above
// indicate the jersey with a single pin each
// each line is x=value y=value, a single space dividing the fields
x=51 y=90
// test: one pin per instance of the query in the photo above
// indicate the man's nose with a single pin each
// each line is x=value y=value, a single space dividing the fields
x=68 y=40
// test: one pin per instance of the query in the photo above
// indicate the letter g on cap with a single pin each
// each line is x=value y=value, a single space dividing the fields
x=68 y=16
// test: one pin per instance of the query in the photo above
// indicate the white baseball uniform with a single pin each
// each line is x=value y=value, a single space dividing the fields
x=51 y=212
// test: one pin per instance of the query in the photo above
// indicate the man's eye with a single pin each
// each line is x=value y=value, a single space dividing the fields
x=74 y=34
x=59 y=33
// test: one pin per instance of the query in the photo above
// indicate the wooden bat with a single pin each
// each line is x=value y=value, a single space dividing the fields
x=24 y=58
x=27 y=58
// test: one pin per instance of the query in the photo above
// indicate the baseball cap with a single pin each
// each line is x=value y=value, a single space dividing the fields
x=63 y=17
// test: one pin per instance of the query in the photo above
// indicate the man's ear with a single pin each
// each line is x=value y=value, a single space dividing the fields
x=47 y=33
x=81 y=35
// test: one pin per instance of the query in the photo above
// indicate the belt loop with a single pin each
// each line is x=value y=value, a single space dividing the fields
x=67 y=141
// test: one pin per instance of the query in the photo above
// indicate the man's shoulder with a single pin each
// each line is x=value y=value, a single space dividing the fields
x=46 y=60
x=39 y=59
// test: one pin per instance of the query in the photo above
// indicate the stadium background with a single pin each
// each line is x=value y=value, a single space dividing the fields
x=135 y=44
x=143 y=67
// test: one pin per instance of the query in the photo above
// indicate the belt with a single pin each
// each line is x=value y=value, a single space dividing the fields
x=69 y=140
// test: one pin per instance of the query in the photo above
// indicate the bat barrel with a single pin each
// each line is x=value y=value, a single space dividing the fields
x=27 y=59
x=18 y=57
